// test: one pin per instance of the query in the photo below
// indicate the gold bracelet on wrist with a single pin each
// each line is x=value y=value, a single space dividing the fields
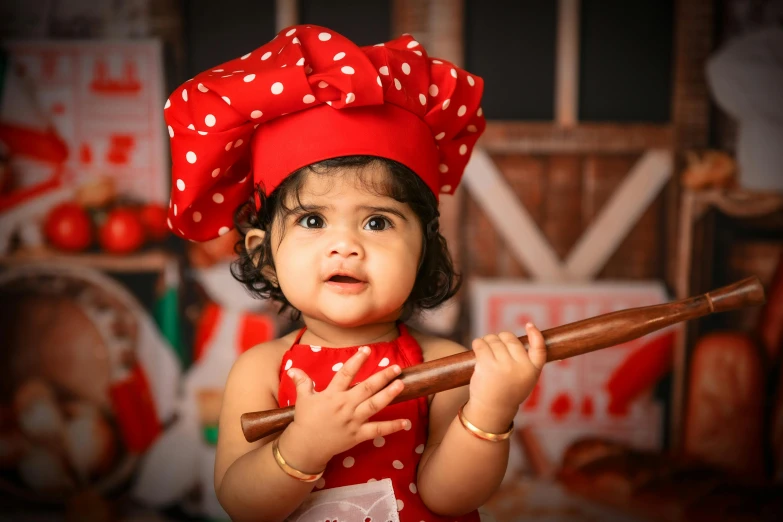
x=290 y=471
x=481 y=434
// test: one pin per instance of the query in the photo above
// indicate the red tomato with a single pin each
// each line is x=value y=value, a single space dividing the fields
x=153 y=217
x=68 y=227
x=122 y=232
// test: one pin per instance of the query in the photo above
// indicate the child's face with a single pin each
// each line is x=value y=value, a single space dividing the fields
x=349 y=257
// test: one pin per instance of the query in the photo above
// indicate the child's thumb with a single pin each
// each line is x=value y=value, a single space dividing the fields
x=303 y=383
x=537 y=352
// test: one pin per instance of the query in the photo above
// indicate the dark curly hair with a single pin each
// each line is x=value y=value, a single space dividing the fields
x=436 y=281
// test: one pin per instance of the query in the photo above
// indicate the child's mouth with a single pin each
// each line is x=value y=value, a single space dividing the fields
x=344 y=279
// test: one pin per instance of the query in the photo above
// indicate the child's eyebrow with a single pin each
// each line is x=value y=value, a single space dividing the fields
x=390 y=210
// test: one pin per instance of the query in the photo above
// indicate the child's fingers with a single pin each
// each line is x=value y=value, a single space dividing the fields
x=481 y=349
x=515 y=347
x=303 y=383
x=379 y=401
x=499 y=349
x=344 y=376
x=537 y=352
x=375 y=383
x=371 y=430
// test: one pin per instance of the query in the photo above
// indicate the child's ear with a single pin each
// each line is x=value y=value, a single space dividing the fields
x=253 y=240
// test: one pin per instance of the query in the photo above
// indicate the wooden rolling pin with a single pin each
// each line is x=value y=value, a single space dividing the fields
x=562 y=342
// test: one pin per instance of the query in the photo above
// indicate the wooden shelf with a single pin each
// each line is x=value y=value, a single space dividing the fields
x=145 y=261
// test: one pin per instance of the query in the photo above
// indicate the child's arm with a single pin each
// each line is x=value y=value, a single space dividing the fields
x=458 y=472
x=249 y=483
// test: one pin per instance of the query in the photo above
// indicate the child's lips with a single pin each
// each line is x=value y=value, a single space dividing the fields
x=346 y=284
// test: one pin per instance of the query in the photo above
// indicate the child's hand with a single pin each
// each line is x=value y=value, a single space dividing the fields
x=335 y=419
x=505 y=373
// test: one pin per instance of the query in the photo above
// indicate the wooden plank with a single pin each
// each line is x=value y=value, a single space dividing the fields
x=562 y=223
x=149 y=261
x=592 y=138
x=286 y=13
x=628 y=202
x=488 y=187
x=567 y=64
x=526 y=175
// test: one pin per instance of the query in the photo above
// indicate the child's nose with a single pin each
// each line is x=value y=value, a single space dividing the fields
x=346 y=244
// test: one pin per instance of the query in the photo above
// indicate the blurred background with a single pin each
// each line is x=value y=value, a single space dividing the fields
x=633 y=156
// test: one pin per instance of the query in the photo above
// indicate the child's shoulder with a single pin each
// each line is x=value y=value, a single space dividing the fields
x=265 y=358
x=434 y=347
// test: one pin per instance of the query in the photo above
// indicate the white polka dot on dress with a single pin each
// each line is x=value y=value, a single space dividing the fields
x=419 y=449
x=384 y=362
x=168 y=104
x=229 y=145
x=292 y=31
x=222 y=231
x=423 y=99
x=185 y=94
x=339 y=56
x=180 y=185
x=479 y=112
x=245 y=57
x=446 y=103
x=443 y=168
x=397 y=464
x=384 y=70
x=288 y=364
x=256 y=114
x=191 y=157
x=171 y=131
x=406 y=68
x=277 y=88
x=445 y=188
x=217 y=197
x=175 y=210
x=202 y=88
x=320 y=483
x=453 y=72
x=216 y=172
x=378 y=442
x=433 y=90
x=350 y=97
x=472 y=128
x=249 y=78
x=227 y=100
x=315 y=348
x=324 y=37
x=347 y=69
x=238 y=143
x=348 y=462
x=440 y=135
x=210 y=120
x=462 y=110
x=397 y=84
x=400 y=504
x=266 y=55
x=192 y=127
x=337 y=366
x=322 y=84
x=197 y=216
x=300 y=62
x=413 y=488
x=412 y=44
x=308 y=98
x=463 y=149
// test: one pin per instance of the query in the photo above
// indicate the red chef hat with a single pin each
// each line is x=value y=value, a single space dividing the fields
x=309 y=95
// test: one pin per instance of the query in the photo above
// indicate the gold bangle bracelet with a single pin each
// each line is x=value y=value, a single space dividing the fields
x=292 y=472
x=481 y=434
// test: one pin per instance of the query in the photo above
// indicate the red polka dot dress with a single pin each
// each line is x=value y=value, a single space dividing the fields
x=395 y=456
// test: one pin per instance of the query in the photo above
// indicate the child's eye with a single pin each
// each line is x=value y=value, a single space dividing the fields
x=311 y=221
x=378 y=223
